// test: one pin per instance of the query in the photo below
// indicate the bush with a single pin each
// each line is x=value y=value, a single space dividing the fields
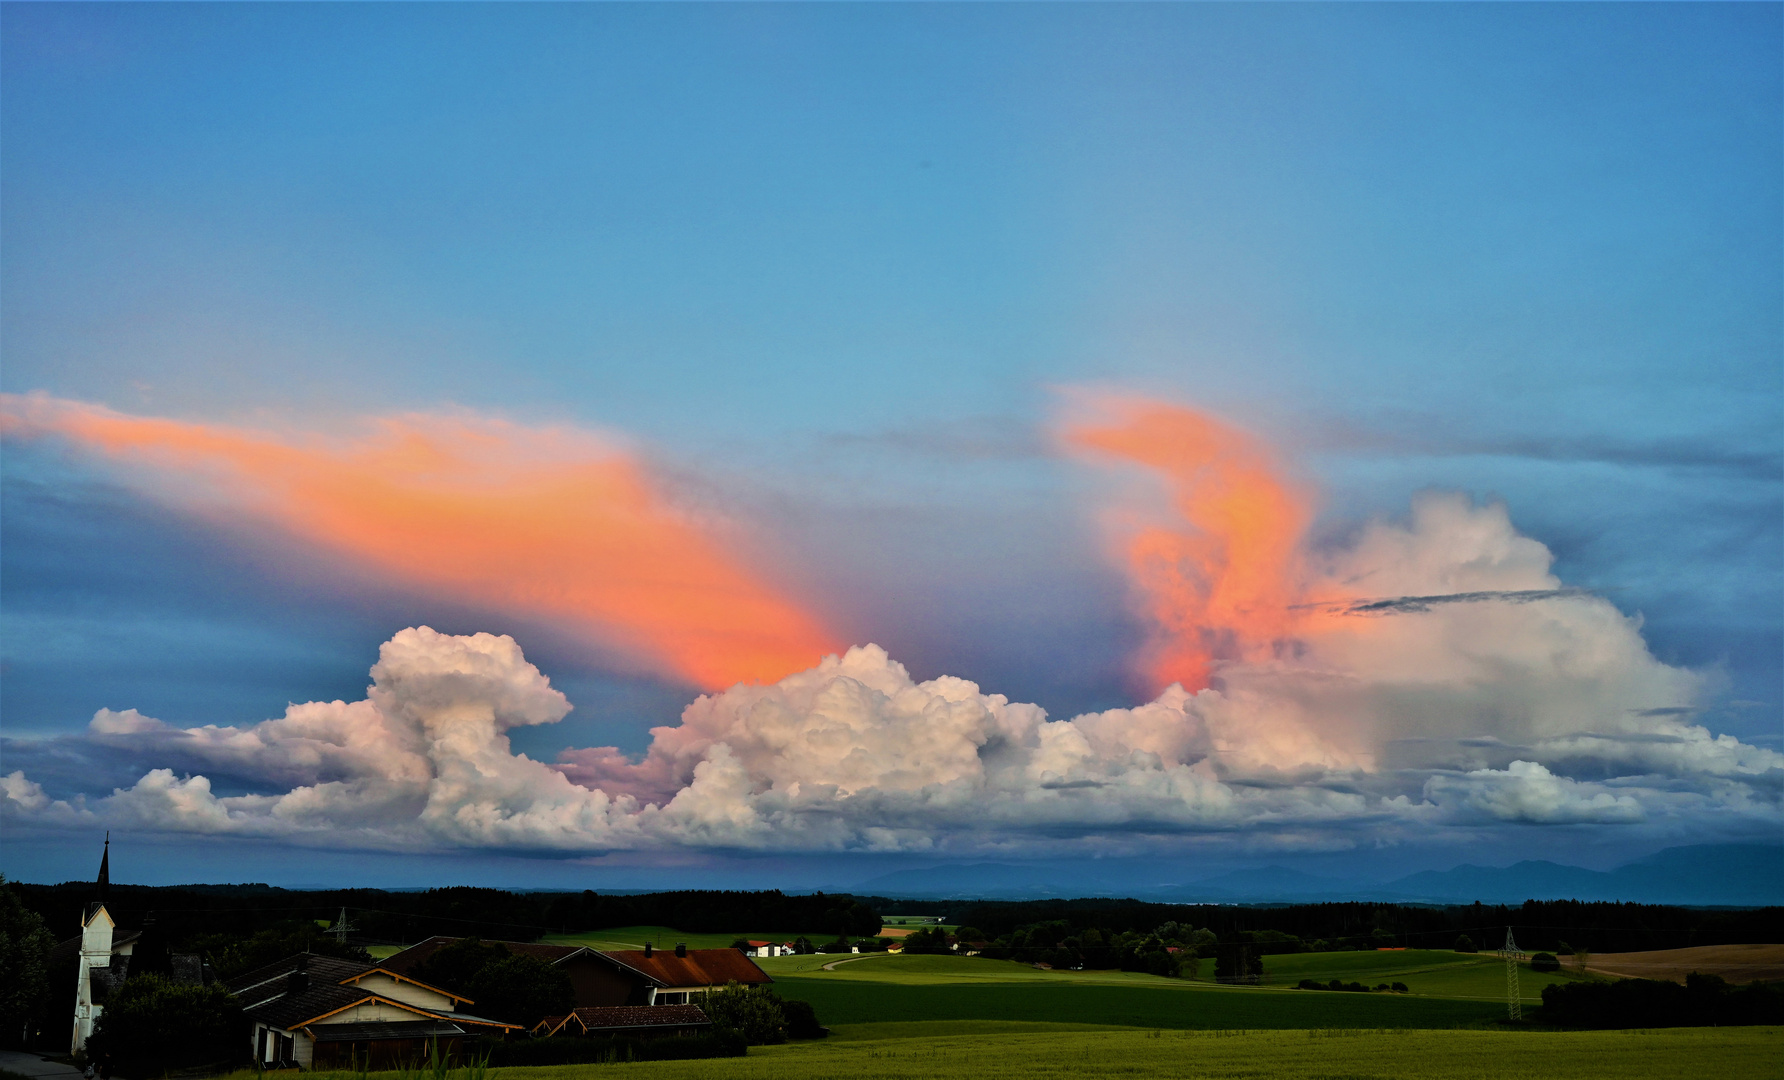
x=753 y=1013
x=1542 y=961
x=802 y=1020
x=152 y=1025
x=1465 y=944
x=1400 y=988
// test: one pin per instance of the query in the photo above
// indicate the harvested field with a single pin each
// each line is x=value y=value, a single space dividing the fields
x=1736 y=963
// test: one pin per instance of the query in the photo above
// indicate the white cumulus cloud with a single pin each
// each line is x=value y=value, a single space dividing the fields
x=1477 y=713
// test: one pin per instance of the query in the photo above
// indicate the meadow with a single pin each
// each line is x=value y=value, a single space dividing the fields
x=1429 y=972
x=986 y=1051
x=915 y=989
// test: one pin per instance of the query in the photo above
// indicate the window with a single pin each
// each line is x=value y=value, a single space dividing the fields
x=672 y=999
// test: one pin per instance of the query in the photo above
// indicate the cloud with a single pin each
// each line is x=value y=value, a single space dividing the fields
x=1483 y=694
x=550 y=522
x=1527 y=792
x=1215 y=574
x=855 y=754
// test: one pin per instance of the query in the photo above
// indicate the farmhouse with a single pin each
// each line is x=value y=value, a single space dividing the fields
x=646 y=976
x=594 y=981
x=686 y=975
x=322 y=1012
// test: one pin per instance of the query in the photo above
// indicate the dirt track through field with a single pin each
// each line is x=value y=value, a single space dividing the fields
x=1736 y=963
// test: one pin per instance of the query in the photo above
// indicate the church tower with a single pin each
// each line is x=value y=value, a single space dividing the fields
x=97 y=943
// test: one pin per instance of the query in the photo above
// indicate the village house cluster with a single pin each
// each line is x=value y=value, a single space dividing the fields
x=320 y=1012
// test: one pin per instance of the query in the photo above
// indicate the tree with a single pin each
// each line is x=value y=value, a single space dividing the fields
x=1237 y=963
x=743 y=945
x=1204 y=942
x=1543 y=961
x=973 y=933
x=753 y=1013
x=501 y=985
x=24 y=966
x=152 y=1025
x=230 y=954
x=1465 y=944
x=522 y=990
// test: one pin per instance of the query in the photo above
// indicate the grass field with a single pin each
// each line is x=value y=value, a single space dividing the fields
x=931 y=988
x=991 y=1052
x=1426 y=972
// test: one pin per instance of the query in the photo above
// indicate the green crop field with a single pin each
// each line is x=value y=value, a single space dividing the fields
x=1432 y=972
x=993 y=1052
x=931 y=988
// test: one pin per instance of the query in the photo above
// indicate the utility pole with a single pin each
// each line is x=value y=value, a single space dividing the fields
x=342 y=927
x=1514 y=1001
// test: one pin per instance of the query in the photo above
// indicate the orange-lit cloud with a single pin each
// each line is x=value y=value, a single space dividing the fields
x=544 y=522
x=1221 y=580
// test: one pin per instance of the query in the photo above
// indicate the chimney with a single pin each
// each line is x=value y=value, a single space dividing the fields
x=647 y=950
x=681 y=949
x=299 y=980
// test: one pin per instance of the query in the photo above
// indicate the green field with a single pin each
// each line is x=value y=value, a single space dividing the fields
x=1429 y=972
x=992 y=1052
x=931 y=988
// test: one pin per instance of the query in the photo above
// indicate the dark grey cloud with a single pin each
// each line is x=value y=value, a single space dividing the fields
x=1408 y=605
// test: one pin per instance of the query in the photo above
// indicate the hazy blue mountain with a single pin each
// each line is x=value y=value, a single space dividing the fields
x=1743 y=875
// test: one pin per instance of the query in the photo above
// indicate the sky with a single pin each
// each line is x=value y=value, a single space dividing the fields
x=611 y=445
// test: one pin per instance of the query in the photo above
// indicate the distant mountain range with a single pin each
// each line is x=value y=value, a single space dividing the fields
x=1734 y=875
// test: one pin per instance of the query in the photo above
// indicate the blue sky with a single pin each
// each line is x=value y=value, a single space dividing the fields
x=831 y=269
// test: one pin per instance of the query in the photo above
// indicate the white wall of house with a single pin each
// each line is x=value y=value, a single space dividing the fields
x=265 y=1042
x=421 y=997
x=369 y=1011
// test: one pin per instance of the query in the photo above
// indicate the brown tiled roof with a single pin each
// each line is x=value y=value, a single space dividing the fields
x=266 y=994
x=619 y=1017
x=321 y=970
x=416 y=955
x=700 y=967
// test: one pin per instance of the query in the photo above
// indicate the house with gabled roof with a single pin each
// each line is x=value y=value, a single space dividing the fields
x=593 y=981
x=684 y=976
x=604 y=979
x=324 y=1012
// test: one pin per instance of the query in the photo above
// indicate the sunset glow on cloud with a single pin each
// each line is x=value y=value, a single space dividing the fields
x=552 y=523
x=1221 y=580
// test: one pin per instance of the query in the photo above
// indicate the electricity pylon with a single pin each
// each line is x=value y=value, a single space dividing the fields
x=342 y=928
x=1514 y=1001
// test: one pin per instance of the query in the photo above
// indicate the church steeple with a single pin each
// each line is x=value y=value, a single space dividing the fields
x=105 y=870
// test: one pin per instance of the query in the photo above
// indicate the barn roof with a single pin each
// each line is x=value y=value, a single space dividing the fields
x=700 y=967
